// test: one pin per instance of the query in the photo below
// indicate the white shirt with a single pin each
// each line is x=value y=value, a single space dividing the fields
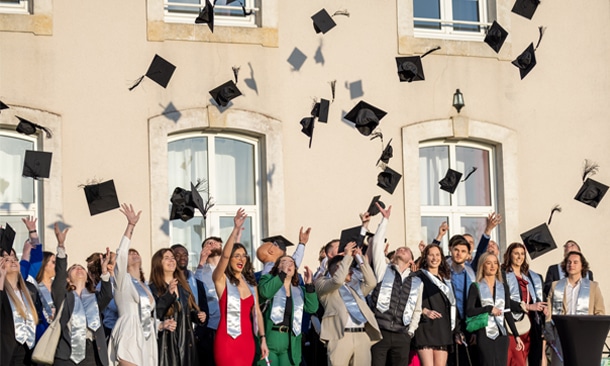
x=572 y=297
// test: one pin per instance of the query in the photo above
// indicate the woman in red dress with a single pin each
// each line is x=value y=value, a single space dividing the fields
x=240 y=315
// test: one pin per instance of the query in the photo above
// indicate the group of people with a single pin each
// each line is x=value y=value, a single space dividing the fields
x=363 y=306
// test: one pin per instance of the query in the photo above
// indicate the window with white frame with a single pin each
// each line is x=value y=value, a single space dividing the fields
x=465 y=210
x=19 y=196
x=453 y=19
x=15 y=6
x=230 y=164
x=226 y=12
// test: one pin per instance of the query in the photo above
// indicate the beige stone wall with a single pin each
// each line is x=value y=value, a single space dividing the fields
x=77 y=70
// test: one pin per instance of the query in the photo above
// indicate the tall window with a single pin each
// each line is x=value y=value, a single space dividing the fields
x=230 y=166
x=231 y=14
x=15 y=6
x=459 y=19
x=465 y=210
x=18 y=195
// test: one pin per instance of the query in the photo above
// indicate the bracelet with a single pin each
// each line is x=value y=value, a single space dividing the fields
x=32 y=231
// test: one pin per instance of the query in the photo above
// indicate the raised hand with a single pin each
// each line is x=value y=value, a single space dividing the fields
x=130 y=214
x=205 y=253
x=30 y=223
x=442 y=230
x=60 y=235
x=308 y=276
x=385 y=212
x=105 y=260
x=349 y=248
x=493 y=220
x=240 y=218
x=304 y=235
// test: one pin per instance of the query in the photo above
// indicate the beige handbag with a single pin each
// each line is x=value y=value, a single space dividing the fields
x=44 y=352
x=523 y=326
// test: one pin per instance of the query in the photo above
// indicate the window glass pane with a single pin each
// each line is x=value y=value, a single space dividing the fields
x=474 y=226
x=226 y=226
x=190 y=234
x=234 y=180
x=13 y=187
x=429 y=229
x=21 y=232
x=427 y=9
x=229 y=12
x=466 y=10
x=187 y=162
x=476 y=191
x=433 y=164
x=184 y=9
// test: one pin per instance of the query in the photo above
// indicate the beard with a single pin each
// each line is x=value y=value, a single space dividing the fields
x=215 y=253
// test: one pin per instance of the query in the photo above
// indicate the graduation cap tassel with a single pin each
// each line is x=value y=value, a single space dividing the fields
x=246 y=13
x=235 y=72
x=557 y=208
x=474 y=169
x=138 y=81
x=343 y=12
x=333 y=86
x=589 y=169
x=432 y=50
x=541 y=30
x=46 y=130
x=377 y=134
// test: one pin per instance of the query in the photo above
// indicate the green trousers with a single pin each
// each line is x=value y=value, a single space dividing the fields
x=278 y=344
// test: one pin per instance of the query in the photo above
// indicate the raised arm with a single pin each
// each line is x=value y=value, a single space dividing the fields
x=219 y=272
x=58 y=288
x=377 y=252
x=299 y=253
x=326 y=285
x=493 y=220
x=122 y=254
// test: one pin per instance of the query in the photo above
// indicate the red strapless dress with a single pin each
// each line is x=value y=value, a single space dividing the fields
x=238 y=351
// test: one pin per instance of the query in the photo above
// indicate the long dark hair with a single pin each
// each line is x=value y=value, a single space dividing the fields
x=142 y=278
x=46 y=257
x=585 y=263
x=248 y=271
x=276 y=270
x=507 y=265
x=157 y=277
x=89 y=284
x=443 y=268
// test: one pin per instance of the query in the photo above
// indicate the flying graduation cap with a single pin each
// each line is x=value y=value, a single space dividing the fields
x=323 y=22
x=7 y=237
x=388 y=179
x=37 y=164
x=29 y=128
x=591 y=192
x=539 y=240
x=224 y=93
x=527 y=59
x=101 y=197
x=373 y=209
x=185 y=202
x=410 y=68
x=452 y=178
x=206 y=15
x=386 y=154
x=525 y=8
x=160 y=71
x=320 y=110
x=496 y=35
x=307 y=124
x=365 y=116
x=279 y=241
x=3 y=106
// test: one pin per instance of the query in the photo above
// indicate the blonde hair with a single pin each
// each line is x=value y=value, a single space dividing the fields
x=482 y=263
x=25 y=293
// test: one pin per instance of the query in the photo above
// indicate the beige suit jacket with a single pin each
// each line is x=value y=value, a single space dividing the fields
x=335 y=313
x=596 y=301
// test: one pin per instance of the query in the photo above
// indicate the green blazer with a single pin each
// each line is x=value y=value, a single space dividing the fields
x=267 y=288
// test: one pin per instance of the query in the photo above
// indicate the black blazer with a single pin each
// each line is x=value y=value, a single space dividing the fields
x=60 y=293
x=7 y=330
x=552 y=275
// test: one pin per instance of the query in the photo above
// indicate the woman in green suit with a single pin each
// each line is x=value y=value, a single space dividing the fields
x=286 y=302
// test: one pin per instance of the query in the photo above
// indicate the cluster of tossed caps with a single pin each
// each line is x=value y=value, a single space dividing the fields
x=184 y=203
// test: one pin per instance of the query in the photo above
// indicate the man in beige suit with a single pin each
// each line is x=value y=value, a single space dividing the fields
x=348 y=325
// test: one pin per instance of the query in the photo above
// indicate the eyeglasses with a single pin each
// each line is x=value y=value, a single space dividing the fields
x=240 y=256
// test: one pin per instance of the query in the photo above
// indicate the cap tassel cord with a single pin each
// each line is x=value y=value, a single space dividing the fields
x=541 y=30
x=590 y=169
x=474 y=169
x=235 y=72
x=343 y=12
x=557 y=208
x=432 y=50
x=333 y=86
x=138 y=81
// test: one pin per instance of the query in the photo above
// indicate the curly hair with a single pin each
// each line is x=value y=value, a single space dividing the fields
x=247 y=272
x=294 y=281
x=585 y=263
x=507 y=265
x=443 y=268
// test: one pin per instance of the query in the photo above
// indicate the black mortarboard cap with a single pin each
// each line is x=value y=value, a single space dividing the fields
x=410 y=68
x=365 y=116
x=307 y=129
x=526 y=61
x=29 y=128
x=538 y=240
x=349 y=235
x=160 y=71
x=525 y=8
x=388 y=180
x=278 y=240
x=7 y=237
x=206 y=15
x=101 y=197
x=322 y=21
x=320 y=110
x=496 y=35
x=373 y=209
x=451 y=180
x=182 y=205
x=591 y=192
x=37 y=164
x=3 y=106
x=387 y=153
x=223 y=94
x=198 y=201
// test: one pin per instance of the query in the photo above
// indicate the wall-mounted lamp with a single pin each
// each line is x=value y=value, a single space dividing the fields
x=458 y=100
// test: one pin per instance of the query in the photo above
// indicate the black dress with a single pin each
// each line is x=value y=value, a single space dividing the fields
x=492 y=352
x=434 y=333
x=176 y=348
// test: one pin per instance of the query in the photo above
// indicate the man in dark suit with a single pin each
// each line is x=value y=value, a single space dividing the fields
x=554 y=272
